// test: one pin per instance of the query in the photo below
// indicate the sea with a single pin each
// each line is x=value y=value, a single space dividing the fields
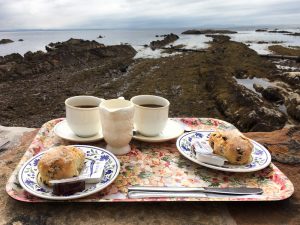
x=34 y=40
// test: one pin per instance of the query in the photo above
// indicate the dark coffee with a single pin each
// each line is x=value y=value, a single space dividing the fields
x=86 y=106
x=152 y=105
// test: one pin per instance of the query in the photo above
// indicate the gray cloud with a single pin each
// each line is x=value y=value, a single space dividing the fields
x=56 y=14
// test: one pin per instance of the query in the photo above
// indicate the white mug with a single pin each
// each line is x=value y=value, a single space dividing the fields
x=149 y=120
x=83 y=116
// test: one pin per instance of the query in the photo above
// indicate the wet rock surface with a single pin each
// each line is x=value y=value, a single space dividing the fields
x=273 y=94
x=209 y=31
x=169 y=38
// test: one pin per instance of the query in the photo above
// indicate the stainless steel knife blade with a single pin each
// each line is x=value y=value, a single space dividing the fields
x=228 y=191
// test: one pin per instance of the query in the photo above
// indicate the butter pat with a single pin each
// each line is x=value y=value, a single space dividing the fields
x=91 y=173
x=204 y=153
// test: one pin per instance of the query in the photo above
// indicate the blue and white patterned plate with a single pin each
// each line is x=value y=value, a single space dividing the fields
x=29 y=174
x=261 y=157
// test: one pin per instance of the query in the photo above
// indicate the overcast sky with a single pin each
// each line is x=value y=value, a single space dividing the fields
x=59 y=14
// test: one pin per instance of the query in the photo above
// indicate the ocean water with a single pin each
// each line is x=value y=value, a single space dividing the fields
x=37 y=40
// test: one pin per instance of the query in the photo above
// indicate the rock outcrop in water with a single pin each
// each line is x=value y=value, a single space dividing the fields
x=169 y=38
x=209 y=31
x=5 y=41
x=61 y=55
x=261 y=30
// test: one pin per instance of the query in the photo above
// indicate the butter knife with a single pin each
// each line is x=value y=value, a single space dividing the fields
x=224 y=191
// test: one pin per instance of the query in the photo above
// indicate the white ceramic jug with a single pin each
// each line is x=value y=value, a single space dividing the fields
x=117 y=124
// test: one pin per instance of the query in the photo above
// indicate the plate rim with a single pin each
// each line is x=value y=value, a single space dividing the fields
x=151 y=140
x=269 y=159
x=61 y=198
x=81 y=139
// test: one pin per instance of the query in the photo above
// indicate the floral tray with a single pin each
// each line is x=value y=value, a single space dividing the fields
x=161 y=164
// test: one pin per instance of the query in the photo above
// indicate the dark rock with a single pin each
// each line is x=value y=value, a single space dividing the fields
x=258 y=87
x=293 y=106
x=261 y=30
x=209 y=31
x=157 y=35
x=160 y=43
x=21 y=39
x=48 y=48
x=276 y=42
x=240 y=73
x=294 y=34
x=262 y=42
x=124 y=68
x=146 y=46
x=219 y=38
x=280 y=31
x=5 y=41
x=100 y=36
x=243 y=107
x=14 y=57
x=273 y=94
x=69 y=54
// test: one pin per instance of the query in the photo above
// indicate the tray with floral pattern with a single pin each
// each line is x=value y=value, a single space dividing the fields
x=161 y=164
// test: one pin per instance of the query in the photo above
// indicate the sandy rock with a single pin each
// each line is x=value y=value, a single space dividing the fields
x=284 y=145
x=12 y=135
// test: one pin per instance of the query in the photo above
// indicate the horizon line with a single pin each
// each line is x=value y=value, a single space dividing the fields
x=152 y=28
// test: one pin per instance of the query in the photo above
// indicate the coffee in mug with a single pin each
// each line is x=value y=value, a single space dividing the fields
x=151 y=114
x=83 y=115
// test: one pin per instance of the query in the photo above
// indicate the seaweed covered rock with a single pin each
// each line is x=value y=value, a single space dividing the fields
x=161 y=43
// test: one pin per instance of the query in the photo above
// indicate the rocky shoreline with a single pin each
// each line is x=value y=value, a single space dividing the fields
x=198 y=84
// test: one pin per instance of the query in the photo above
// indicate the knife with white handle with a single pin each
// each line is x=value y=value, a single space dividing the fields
x=189 y=191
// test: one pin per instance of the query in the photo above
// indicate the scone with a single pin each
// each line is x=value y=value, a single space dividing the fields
x=233 y=145
x=60 y=162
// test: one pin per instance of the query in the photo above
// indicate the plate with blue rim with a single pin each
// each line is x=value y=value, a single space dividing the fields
x=260 y=157
x=29 y=177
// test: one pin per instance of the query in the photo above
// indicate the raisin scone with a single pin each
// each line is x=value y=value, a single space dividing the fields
x=232 y=145
x=61 y=162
